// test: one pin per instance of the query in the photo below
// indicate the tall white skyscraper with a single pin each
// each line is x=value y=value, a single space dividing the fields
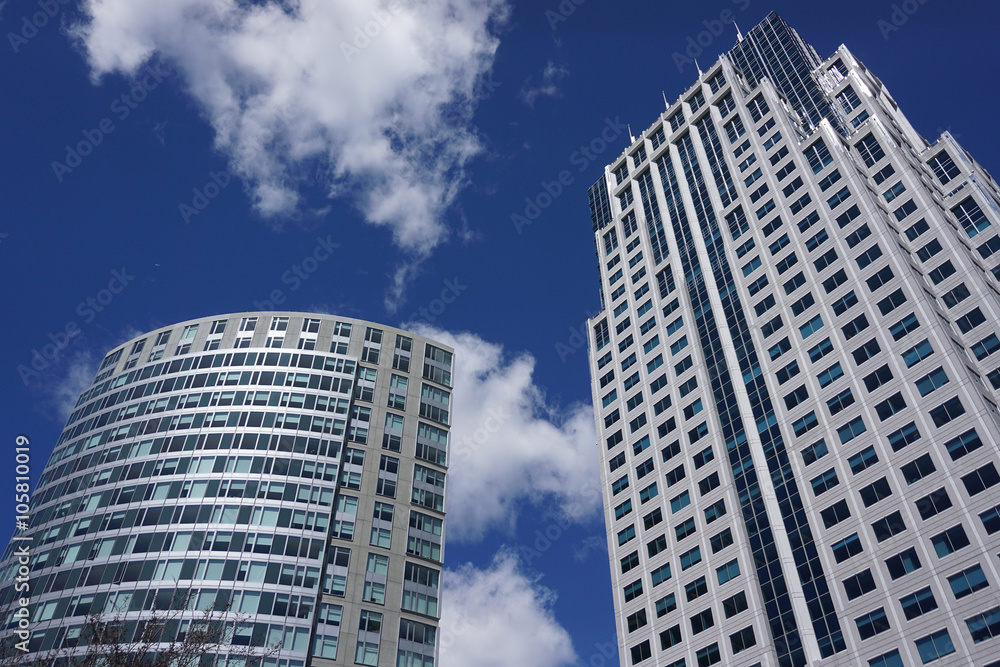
x=284 y=471
x=795 y=375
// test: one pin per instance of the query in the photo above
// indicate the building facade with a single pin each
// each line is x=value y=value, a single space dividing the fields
x=283 y=471
x=795 y=375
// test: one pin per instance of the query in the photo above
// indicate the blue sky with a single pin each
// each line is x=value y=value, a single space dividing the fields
x=165 y=160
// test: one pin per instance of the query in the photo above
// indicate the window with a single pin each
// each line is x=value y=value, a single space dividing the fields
x=971 y=217
x=845 y=303
x=970 y=320
x=984 y=626
x=788 y=372
x=665 y=605
x=904 y=326
x=935 y=646
x=859 y=584
x=947 y=411
x=860 y=234
x=929 y=250
x=855 y=326
x=797 y=396
x=817 y=240
x=715 y=511
x=918 y=604
x=880 y=278
x=830 y=374
x=689 y=558
x=703 y=457
x=797 y=281
x=721 y=540
x=991 y=520
x=709 y=483
x=835 y=513
x=872 y=623
x=727 y=572
x=685 y=529
x=819 y=156
x=888 y=526
x=968 y=581
x=890 y=406
x=851 y=430
x=917 y=353
x=891 y=302
x=702 y=621
x=640 y=652
x=660 y=574
x=933 y=503
x=876 y=491
x=868 y=256
x=941 y=272
x=848 y=216
x=866 y=352
x=807 y=423
x=944 y=167
x=680 y=502
x=835 y=281
x=863 y=460
x=808 y=221
x=636 y=620
x=742 y=640
x=963 y=444
x=981 y=479
x=847 y=548
x=811 y=327
x=786 y=263
x=670 y=637
x=989 y=248
x=950 y=541
x=918 y=469
x=902 y=563
x=802 y=304
x=839 y=198
x=840 y=401
x=870 y=150
x=814 y=452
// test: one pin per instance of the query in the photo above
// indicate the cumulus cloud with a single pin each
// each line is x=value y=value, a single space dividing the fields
x=373 y=96
x=65 y=389
x=499 y=617
x=510 y=446
x=552 y=73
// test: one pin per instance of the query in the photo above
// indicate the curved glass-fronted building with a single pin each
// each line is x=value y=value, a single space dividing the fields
x=284 y=470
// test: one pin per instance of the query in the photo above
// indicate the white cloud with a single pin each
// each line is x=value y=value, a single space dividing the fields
x=374 y=96
x=550 y=75
x=499 y=617
x=511 y=447
x=65 y=390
